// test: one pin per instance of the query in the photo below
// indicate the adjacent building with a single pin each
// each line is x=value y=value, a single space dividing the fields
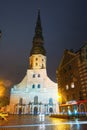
x=82 y=65
x=72 y=81
x=36 y=93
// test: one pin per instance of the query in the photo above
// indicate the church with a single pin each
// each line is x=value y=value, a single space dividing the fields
x=36 y=93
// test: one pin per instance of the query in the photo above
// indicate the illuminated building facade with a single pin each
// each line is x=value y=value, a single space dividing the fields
x=68 y=77
x=36 y=93
x=72 y=81
x=82 y=54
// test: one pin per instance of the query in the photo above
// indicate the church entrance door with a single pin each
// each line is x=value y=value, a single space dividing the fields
x=20 y=111
x=35 y=110
x=50 y=109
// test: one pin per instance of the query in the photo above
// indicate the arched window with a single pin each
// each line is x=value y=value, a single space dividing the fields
x=33 y=86
x=67 y=87
x=38 y=75
x=33 y=75
x=72 y=85
x=36 y=59
x=38 y=85
x=50 y=101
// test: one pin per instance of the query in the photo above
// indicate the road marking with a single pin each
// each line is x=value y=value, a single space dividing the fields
x=53 y=124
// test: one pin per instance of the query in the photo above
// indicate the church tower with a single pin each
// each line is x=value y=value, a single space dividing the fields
x=36 y=93
x=38 y=53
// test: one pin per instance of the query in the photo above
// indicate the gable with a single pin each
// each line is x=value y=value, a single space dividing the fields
x=67 y=56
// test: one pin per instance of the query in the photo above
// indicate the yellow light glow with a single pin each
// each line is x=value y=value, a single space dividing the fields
x=2 y=89
x=59 y=98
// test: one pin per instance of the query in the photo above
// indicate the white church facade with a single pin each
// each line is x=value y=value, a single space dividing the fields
x=36 y=93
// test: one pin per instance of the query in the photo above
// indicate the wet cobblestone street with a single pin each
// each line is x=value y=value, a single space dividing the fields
x=26 y=122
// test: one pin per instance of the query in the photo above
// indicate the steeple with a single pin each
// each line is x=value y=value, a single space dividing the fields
x=38 y=40
x=38 y=29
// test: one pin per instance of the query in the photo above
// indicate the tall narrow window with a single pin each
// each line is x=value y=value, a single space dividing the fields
x=36 y=59
x=38 y=75
x=67 y=87
x=33 y=75
x=33 y=86
x=72 y=85
x=51 y=101
x=38 y=85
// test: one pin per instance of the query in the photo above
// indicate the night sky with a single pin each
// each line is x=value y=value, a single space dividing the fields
x=64 y=24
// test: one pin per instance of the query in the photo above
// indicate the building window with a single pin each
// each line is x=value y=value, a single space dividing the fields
x=38 y=85
x=38 y=75
x=36 y=59
x=67 y=87
x=72 y=85
x=50 y=101
x=33 y=86
x=33 y=75
x=36 y=64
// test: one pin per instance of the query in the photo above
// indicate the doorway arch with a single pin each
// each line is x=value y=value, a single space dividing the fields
x=35 y=110
x=82 y=109
x=51 y=110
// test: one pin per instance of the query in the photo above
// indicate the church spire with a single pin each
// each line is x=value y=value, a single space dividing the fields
x=38 y=29
x=38 y=38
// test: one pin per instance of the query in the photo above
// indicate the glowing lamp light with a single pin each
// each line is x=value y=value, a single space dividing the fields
x=75 y=112
x=2 y=89
x=69 y=112
x=59 y=98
